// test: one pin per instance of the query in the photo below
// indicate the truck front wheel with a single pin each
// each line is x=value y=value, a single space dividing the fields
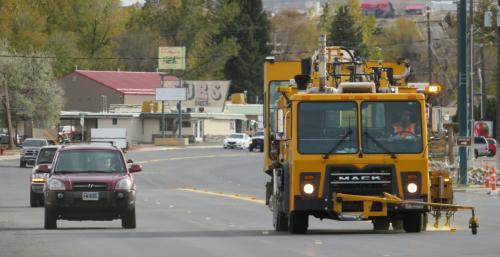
x=412 y=222
x=381 y=224
x=298 y=223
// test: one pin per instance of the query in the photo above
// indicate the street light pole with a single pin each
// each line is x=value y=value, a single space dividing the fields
x=429 y=53
x=497 y=125
x=462 y=86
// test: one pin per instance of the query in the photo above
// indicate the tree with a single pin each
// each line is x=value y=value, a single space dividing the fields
x=345 y=31
x=251 y=30
x=195 y=24
x=32 y=92
x=294 y=35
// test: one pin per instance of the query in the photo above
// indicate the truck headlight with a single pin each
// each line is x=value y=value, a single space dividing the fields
x=124 y=184
x=309 y=183
x=412 y=188
x=308 y=188
x=56 y=184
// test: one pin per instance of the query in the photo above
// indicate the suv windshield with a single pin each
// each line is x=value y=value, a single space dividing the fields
x=46 y=155
x=34 y=143
x=391 y=127
x=479 y=140
x=99 y=161
x=259 y=134
x=323 y=125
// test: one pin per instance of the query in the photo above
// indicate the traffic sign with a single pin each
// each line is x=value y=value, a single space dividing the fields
x=464 y=141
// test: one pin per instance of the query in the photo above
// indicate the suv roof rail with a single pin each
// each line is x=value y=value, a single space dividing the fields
x=112 y=143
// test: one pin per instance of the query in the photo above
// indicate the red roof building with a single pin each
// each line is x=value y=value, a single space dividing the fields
x=94 y=91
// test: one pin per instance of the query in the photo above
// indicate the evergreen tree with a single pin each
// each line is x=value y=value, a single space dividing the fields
x=251 y=30
x=345 y=31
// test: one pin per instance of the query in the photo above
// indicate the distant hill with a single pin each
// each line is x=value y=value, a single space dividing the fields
x=274 y=5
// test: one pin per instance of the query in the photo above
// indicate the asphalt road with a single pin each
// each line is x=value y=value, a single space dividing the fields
x=208 y=202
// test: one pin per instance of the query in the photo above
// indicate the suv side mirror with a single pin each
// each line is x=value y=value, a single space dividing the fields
x=43 y=168
x=135 y=168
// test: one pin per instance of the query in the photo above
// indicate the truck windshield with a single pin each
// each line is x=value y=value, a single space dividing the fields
x=322 y=125
x=95 y=161
x=391 y=127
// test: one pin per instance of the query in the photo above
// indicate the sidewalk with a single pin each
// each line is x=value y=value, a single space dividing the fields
x=10 y=154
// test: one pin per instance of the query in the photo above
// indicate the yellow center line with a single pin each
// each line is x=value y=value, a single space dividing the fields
x=191 y=158
x=222 y=194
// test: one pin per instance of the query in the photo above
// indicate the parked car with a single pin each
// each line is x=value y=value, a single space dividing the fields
x=492 y=146
x=257 y=142
x=480 y=147
x=30 y=149
x=38 y=179
x=90 y=182
x=237 y=140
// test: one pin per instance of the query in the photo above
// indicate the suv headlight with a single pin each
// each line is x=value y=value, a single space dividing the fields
x=38 y=178
x=56 y=184
x=124 y=184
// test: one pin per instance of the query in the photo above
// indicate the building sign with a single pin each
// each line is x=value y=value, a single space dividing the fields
x=483 y=128
x=172 y=58
x=171 y=94
x=202 y=93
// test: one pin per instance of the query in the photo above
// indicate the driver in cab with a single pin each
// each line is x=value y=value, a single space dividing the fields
x=404 y=128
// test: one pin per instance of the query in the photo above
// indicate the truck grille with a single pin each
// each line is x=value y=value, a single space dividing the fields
x=371 y=180
x=89 y=186
x=31 y=153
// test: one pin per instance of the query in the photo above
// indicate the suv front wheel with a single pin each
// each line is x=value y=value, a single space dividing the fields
x=50 y=219
x=128 y=220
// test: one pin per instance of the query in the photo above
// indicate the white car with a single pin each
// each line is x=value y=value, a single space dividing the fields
x=237 y=140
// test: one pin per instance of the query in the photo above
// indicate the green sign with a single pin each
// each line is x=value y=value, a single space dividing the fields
x=172 y=58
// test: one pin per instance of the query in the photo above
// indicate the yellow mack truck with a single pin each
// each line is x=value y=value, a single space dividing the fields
x=346 y=139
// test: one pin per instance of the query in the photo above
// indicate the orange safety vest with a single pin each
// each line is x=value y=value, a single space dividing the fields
x=405 y=131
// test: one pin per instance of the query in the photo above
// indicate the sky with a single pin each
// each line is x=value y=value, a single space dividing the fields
x=130 y=2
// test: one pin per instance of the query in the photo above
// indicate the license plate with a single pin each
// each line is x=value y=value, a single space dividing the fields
x=90 y=196
x=414 y=206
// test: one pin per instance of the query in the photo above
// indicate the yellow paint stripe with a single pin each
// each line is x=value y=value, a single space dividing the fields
x=222 y=194
x=191 y=158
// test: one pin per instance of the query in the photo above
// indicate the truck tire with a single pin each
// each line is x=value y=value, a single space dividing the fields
x=381 y=224
x=22 y=164
x=397 y=224
x=280 y=221
x=412 y=222
x=261 y=148
x=250 y=148
x=298 y=223
x=50 y=220
x=128 y=221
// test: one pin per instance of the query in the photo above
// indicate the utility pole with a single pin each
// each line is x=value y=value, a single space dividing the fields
x=471 y=78
x=429 y=53
x=483 y=85
x=162 y=121
x=497 y=125
x=462 y=86
x=9 y=118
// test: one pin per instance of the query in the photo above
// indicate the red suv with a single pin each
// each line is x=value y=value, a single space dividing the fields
x=492 y=146
x=90 y=182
